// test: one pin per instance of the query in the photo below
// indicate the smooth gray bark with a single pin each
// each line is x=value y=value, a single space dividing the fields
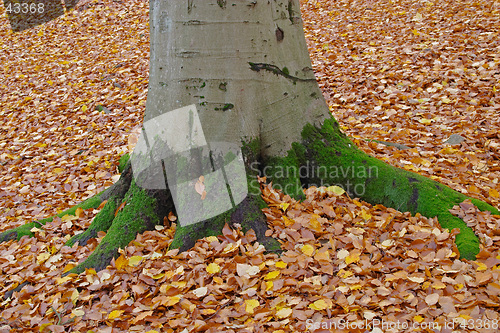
x=244 y=64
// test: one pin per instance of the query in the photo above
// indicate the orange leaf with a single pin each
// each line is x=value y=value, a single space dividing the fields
x=120 y=207
x=101 y=206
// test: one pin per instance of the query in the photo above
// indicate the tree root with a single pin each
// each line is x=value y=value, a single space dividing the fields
x=324 y=157
x=330 y=158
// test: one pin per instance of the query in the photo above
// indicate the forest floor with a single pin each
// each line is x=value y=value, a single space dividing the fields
x=73 y=90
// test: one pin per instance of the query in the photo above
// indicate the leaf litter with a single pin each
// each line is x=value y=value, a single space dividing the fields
x=413 y=73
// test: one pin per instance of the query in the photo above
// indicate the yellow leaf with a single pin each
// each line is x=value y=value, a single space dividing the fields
x=272 y=275
x=115 y=314
x=67 y=218
x=211 y=239
x=446 y=100
x=365 y=216
x=344 y=274
x=121 y=262
x=494 y=193
x=79 y=212
x=158 y=276
x=171 y=301
x=308 y=250
x=315 y=224
x=448 y=150
x=58 y=171
x=84 y=108
x=284 y=206
x=78 y=312
x=42 y=257
x=213 y=268
x=68 y=267
x=418 y=319
x=481 y=266
x=281 y=264
x=283 y=313
x=269 y=285
x=251 y=304
x=415 y=32
x=74 y=296
x=134 y=260
x=43 y=326
x=207 y=311
x=319 y=305
x=288 y=222
x=352 y=258
x=337 y=190
x=425 y=121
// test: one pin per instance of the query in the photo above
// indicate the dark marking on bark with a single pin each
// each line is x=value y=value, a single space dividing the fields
x=279 y=34
x=190 y=6
x=291 y=11
x=413 y=180
x=221 y=3
x=194 y=22
x=257 y=67
x=225 y=107
x=188 y=54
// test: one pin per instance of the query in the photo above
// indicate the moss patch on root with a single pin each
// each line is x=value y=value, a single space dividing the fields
x=332 y=159
x=24 y=230
x=138 y=215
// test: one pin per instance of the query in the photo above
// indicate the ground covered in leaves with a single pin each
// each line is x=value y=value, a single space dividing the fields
x=410 y=72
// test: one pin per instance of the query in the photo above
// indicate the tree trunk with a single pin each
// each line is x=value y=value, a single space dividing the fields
x=239 y=73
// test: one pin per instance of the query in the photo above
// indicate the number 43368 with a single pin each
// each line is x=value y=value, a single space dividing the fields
x=25 y=8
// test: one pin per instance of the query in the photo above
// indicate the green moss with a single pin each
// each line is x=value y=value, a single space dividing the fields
x=102 y=221
x=285 y=174
x=186 y=236
x=137 y=216
x=24 y=230
x=328 y=157
x=123 y=162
